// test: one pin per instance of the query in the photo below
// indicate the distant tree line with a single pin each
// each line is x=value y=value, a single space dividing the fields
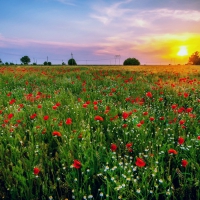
x=194 y=59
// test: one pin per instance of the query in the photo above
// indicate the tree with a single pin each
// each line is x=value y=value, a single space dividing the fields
x=72 y=62
x=195 y=58
x=25 y=60
x=47 y=63
x=0 y=61
x=131 y=61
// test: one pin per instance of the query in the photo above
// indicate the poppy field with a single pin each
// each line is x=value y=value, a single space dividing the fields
x=99 y=133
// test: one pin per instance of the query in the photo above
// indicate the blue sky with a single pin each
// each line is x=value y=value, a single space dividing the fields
x=95 y=31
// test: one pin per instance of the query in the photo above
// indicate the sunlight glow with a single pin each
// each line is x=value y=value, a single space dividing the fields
x=182 y=51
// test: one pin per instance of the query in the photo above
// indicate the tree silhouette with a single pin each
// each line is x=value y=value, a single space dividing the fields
x=72 y=62
x=131 y=61
x=25 y=60
x=195 y=58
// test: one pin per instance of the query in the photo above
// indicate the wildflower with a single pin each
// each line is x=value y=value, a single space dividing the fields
x=85 y=105
x=98 y=118
x=181 y=140
x=174 y=106
x=33 y=116
x=140 y=162
x=172 y=151
x=145 y=113
x=181 y=122
x=36 y=170
x=39 y=106
x=95 y=107
x=185 y=95
x=113 y=147
x=151 y=118
x=46 y=117
x=10 y=116
x=77 y=164
x=68 y=121
x=184 y=163
x=198 y=137
x=54 y=107
x=125 y=125
x=12 y=101
x=56 y=133
x=129 y=145
x=149 y=94
x=139 y=124
x=125 y=115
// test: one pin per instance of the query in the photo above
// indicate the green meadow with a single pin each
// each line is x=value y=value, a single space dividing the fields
x=83 y=132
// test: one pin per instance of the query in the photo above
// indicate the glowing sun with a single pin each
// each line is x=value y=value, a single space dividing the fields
x=182 y=51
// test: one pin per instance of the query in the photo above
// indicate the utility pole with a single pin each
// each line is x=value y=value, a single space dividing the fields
x=47 y=58
x=117 y=56
x=72 y=58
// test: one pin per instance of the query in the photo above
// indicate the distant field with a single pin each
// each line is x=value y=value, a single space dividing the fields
x=100 y=132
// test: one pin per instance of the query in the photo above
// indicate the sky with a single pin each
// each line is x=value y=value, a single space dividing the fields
x=99 y=32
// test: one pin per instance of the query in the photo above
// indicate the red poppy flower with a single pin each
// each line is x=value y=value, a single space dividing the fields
x=98 y=118
x=140 y=162
x=145 y=113
x=188 y=110
x=10 y=116
x=77 y=164
x=185 y=95
x=125 y=115
x=33 y=116
x=46 y=117
x=198 y=137
x=172 y=151
x=95 y=102
x=181 y=140
x=56 y=133
x=54 y=107
x=68 y=121
x=149 y=94
x=184 y=163
x=36 y=170
x=129 y=145
x=113 y=147
x=162 y=118
x=85 y=105
x=181 y=122
x=151 y=118
x=39 y=106
x=12 y=101
x=139 y=124
x=174 y=106
x=125 y=125
x=95 y=107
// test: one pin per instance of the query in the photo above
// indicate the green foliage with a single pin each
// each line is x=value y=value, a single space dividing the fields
x=34 y=63
x=25 y=60
x=6 y=63
x=1 y=62
x=63 y=63
x=72 y=62
x=49 y=63
x=131 y=61
x=195 y=58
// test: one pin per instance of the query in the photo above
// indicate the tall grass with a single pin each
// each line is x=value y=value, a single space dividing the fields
x=99 y=133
